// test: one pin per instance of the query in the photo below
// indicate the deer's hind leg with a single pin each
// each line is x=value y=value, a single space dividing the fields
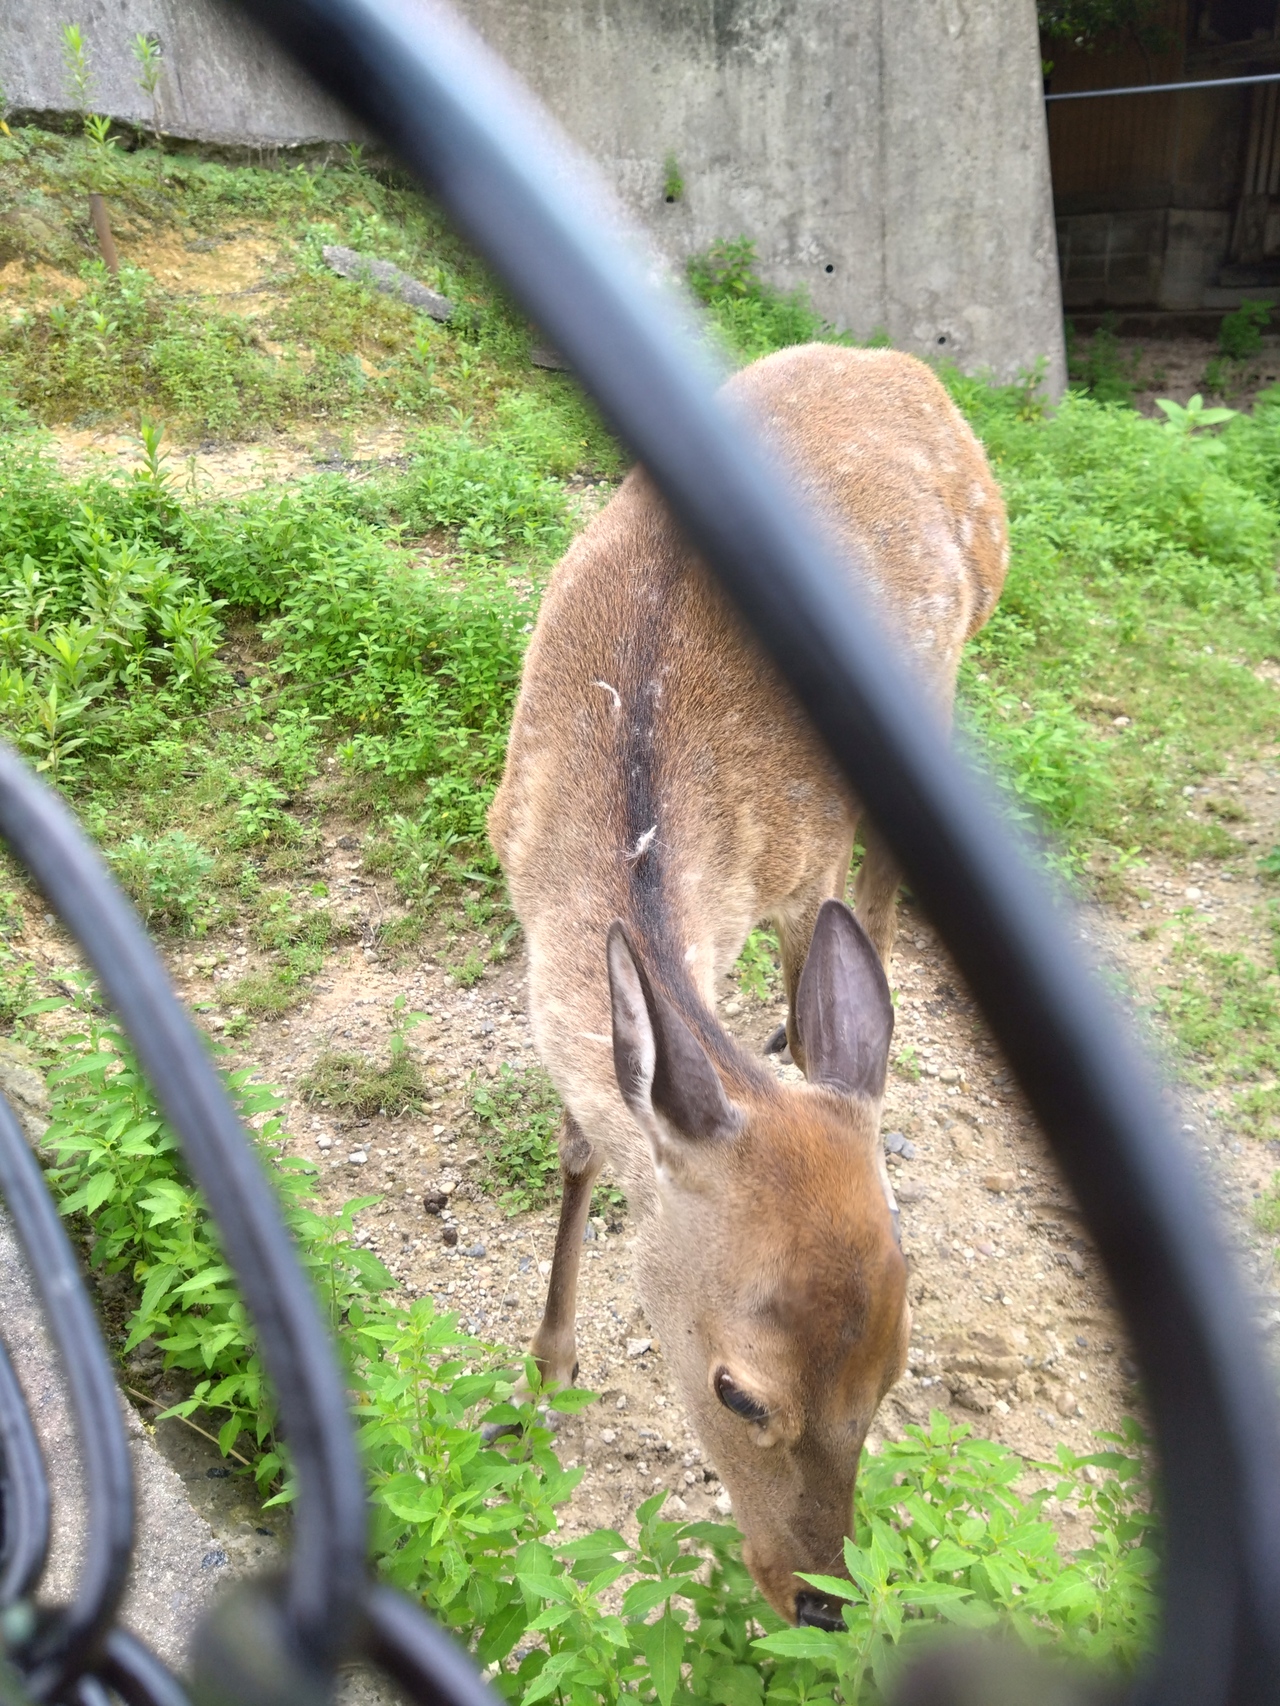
x=875 y=892
x=555 y=1342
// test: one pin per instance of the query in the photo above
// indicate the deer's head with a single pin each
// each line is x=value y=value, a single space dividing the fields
x=772 y=1269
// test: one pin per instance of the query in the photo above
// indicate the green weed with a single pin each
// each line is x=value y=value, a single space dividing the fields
x=758 y=969
x=1240 y=334
x=167 y=878
x=519 y=1115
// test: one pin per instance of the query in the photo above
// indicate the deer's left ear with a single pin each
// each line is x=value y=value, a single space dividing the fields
x=844 y=1011
x=665 y=1075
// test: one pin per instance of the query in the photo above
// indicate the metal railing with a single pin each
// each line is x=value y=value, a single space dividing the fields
x=473 y=139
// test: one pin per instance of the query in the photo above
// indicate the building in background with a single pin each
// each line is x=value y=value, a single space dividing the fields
x=888 y=156
x=1170 y=202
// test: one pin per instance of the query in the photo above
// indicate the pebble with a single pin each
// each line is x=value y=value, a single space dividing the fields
x=722 y=1502
x=450 y=1235
x=477 y=1250
x=999 y=1182
x=324 y=1143
x=949 y=1075
x=637 y=1347
x=1065 y=1404
x=607 y=1436
x=897 y=1144
x=357 y=1158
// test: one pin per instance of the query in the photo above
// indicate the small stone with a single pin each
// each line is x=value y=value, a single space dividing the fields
x=213 y=1560
x=949 y=1075
x=544 y=1268
x=999 y=1182
x=1194 y=893
x=477 y=1250
x=732 y=1009
x=895 y=1143
x=434 y=1201
x=638 y=1347
x=676 y=1505
x=910 y=1192
x=324 y=1143
x=607 y=1436
x=588 y=1234
x=1065 y=1404
x=450 y=1235
x=357 y=1158
x=1120 y=722
x=1074 y=1260
x=437 y=1131
x=723 y=1503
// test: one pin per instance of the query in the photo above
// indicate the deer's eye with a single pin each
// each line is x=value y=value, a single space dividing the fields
x=740 y=1402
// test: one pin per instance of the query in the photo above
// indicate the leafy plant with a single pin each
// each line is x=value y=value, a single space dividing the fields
x=519 y=1115
x=166 y=877
x=1194 y=417
x=672 y=181
x=757 y=968
x=1240 y=333
x=1100 y=367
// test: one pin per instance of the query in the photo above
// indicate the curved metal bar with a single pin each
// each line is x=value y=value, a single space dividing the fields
x=422 y=1658
x=68 y=1642
x=137 y=1675
x=327 y=1565
x=24 y=1492
x=475 y=141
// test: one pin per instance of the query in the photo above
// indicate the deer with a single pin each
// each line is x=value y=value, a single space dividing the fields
x=663 y=794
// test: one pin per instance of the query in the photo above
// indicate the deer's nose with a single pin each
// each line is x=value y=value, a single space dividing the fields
x=815 y=1611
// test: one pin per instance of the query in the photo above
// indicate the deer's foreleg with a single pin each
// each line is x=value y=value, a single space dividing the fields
x=554 y=1344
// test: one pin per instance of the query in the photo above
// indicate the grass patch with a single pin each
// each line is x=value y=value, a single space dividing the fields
x=1224 y=1011
x=351 y=1082
x=518 y=1115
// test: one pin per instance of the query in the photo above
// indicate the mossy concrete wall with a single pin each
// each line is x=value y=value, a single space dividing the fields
x=889 y=156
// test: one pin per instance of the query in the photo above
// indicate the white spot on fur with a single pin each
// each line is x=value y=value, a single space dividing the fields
x=617 y=697
x=645 y=842
x=691 y=953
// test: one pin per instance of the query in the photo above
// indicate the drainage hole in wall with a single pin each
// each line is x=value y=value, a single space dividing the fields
x=829 y=267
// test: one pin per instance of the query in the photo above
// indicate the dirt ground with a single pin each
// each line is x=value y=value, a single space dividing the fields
x=1013 y=1327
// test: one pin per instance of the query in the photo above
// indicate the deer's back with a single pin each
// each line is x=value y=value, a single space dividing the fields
x=656 y=759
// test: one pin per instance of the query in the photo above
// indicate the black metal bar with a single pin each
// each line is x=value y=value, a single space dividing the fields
x=1166 y=88
x=422 y=1658
x=327 y=1563
x=66 y=1643
x=137 y=1675
x=24 y=1492
x=460 y=123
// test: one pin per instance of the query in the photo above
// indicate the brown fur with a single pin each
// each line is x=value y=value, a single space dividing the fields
x=660 y=773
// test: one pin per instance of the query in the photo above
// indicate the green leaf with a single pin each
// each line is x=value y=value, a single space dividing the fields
x=816 y=1644
x=662 y=1644
x=642 y=1597
x=502 y=1631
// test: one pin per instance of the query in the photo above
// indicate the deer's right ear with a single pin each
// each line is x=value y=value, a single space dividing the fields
x=844 y=1011
x=664 y=1073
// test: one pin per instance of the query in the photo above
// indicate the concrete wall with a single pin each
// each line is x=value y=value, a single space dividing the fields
x=891 y=158
x=223 y=80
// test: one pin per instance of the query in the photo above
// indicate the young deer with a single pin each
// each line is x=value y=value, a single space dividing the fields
x=664 y=793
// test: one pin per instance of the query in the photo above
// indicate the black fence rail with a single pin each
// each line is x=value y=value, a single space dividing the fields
x=471 y=136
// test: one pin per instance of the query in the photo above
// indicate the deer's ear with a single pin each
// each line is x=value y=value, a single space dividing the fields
x=844 y=1012
x=665 y=1075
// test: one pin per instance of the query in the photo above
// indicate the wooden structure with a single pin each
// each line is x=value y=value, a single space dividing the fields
x=1171 y=201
